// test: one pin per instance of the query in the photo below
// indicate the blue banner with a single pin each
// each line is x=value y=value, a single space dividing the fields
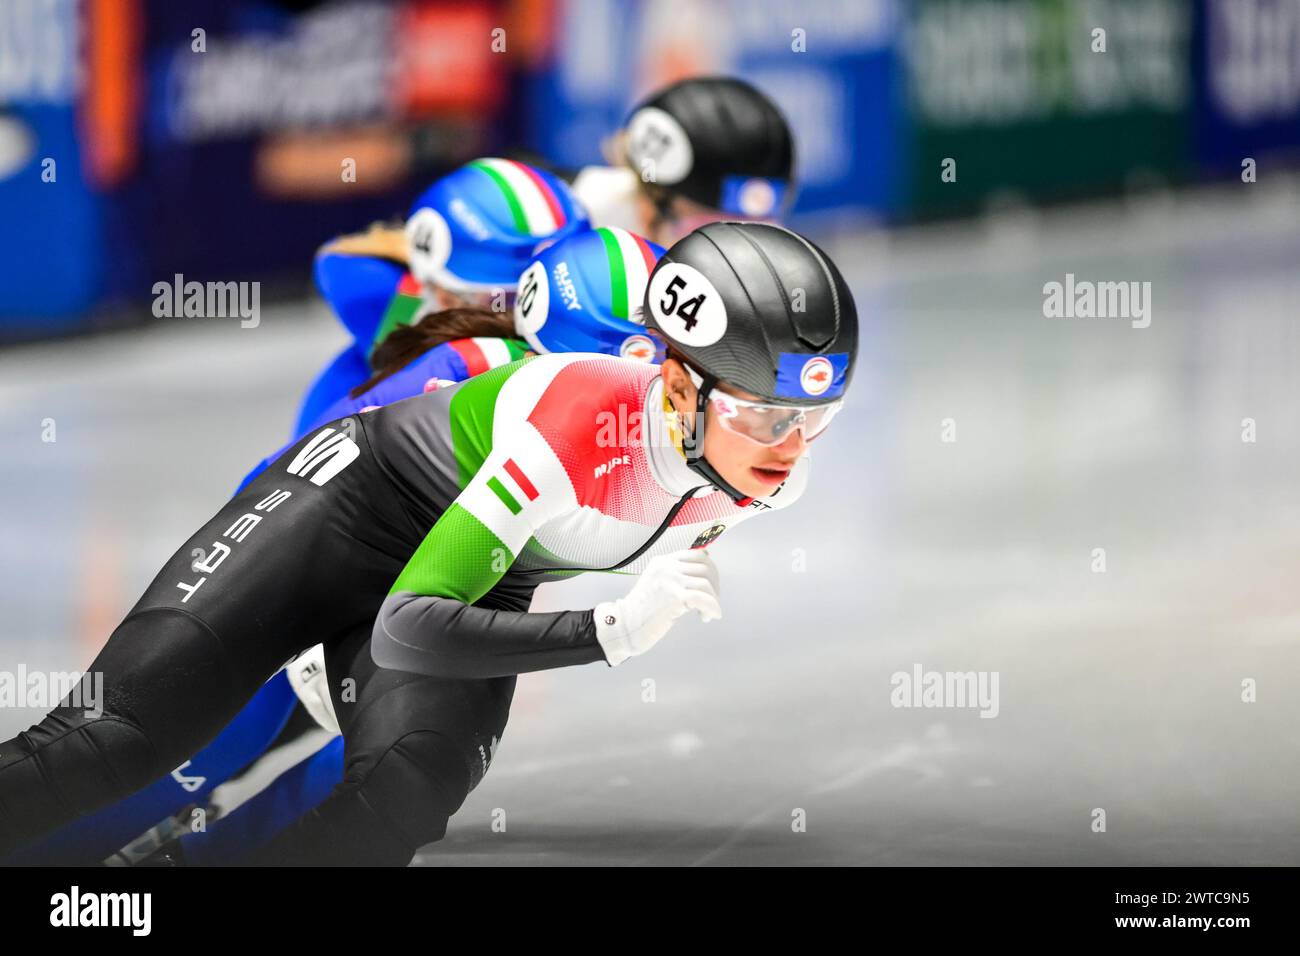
x=1247 y=81
x=51 y=247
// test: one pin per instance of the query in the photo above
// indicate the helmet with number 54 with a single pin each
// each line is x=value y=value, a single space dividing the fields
x=764 y=331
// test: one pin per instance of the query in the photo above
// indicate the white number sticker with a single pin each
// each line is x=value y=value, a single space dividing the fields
x=686 y=305
x=657 y=144
x=428 y=244
x=532 y=300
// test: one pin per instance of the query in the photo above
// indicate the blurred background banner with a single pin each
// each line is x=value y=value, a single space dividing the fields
x=839 y=92
x=51 y=252
x=228 y=139
x=1044 y=99
x=275 y=130
x=1247 y=78
x=220 y=139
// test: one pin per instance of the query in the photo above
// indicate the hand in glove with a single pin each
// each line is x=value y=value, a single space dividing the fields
x=671 y=585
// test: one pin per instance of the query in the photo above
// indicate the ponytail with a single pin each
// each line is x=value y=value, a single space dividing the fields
x=406 y=343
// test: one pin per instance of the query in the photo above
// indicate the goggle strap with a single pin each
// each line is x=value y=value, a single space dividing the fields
x=693 y=445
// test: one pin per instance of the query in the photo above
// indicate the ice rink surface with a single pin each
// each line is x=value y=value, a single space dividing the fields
x=1119 y=690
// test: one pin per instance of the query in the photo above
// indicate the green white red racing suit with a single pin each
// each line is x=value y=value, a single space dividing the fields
x=536 y=470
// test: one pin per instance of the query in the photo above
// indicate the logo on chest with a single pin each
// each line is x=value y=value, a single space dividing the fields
x=706 y=538
x=605 y=467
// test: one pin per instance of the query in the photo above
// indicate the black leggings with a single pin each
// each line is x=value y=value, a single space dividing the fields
x=285 y=564
x=414 y=747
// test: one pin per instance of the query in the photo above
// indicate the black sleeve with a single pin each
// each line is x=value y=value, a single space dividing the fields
x=442 y=637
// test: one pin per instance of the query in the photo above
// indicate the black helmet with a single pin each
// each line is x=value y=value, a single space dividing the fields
x=718 y=141
x=760 y=308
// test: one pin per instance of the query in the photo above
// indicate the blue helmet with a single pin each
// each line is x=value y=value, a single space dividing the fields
x=583 y=294
x=477 y=228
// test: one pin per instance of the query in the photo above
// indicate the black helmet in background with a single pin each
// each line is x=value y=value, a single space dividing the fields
x=717 y=141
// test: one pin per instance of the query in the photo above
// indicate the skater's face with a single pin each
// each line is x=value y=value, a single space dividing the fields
x=757 y=470
x=754 y=469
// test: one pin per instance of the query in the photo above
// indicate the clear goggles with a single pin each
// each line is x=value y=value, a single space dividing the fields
x=769 y=424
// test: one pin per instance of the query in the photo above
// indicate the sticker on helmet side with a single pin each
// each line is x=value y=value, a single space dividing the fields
x=816 y=375
x=659 y=148
x=757 y=198
x=685 y=305
x=533 y=300
x=800 y=375
x=428 y=244
x=754 y=196
x=637 y=347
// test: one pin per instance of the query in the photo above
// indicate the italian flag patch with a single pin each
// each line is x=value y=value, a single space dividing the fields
x=516 y=482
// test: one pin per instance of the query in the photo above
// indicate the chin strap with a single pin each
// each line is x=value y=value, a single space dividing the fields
x=692 y=441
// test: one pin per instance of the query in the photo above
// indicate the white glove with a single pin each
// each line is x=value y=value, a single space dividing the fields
x=671 y=585
x=307 y=677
